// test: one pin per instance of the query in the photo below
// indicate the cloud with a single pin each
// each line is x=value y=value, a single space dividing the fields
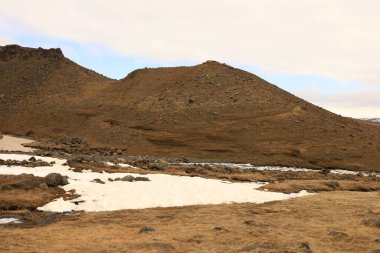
x=338 y=39
x=358 y=104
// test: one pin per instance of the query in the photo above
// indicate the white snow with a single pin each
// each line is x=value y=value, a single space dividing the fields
x=10 y=143
x=161 y=191
x=9 y=220
x=248 y=166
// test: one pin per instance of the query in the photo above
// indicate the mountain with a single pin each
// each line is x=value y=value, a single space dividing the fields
x=207 y=111
x=375 y=120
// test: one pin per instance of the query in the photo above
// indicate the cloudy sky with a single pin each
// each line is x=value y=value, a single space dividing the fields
x=325 y=51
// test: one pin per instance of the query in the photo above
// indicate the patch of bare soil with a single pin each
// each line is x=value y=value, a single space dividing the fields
x=207 y=111
x=326 y=222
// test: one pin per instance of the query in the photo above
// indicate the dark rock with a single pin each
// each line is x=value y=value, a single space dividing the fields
x=128 y=178
x=141 y=179
x=332 y=184
x=256 y=224
x=338 y=234
x=220 y=229
x=372 y=222
x=304 y=246
x=146 y=229
x=97 y=180
x=32 y=159
x=55 y=179
x=195 y=239
x=154 y=168
x=325 y=171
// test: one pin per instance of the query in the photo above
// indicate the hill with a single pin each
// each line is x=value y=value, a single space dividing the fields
x=209 y=111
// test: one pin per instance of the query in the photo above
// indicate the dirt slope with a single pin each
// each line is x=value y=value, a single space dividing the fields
x=208 y=111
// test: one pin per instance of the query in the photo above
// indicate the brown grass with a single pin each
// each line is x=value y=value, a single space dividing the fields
x=326 y=222
x=322 y=185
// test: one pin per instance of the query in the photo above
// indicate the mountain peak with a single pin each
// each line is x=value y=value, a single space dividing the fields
x=9 y=52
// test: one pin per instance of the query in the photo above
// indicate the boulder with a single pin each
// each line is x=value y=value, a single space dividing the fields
x=55 y=179
x=128 y=178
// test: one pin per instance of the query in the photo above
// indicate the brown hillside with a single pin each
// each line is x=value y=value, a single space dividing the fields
x=208 y=111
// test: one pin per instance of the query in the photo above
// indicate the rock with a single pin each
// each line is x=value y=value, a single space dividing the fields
x=32 y=159
x=97 y=180
x=220 y=229
x=372 y=222
x=256 y=224
x=332 y=184
x=128 y=178
x=55 y=179
x=154 y=167
x=304 y=246
x=325 y=171
x=338 y=234
x=141 y=179
x=146 y=229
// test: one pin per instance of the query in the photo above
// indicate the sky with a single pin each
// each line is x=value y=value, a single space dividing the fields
x=325 y=51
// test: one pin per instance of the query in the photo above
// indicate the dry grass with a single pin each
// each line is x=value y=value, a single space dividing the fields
x=326 y=222
x=322 y=185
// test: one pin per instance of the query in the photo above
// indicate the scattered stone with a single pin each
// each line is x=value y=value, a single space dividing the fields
x=32 y=162
x=257 y=224
x=141 y=179
x=372 y=222
x=325 y=171
x=154 y=167
x=97 y=180
x=146 y=229
x=128 y=178
x=305 y=247
x=220 y=229
x=55 y=179
x=332 y=184
x=338 y=234
x=195 y=239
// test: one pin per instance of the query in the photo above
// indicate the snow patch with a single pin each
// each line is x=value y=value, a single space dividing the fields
x=247 y=166
x=10 y=143
x=9 y=220
x=161 y=191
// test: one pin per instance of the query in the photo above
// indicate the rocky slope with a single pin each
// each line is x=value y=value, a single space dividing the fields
x=209 y=111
